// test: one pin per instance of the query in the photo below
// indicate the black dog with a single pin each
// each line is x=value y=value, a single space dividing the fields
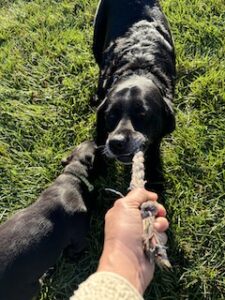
x=134 y=50
x=33 y=239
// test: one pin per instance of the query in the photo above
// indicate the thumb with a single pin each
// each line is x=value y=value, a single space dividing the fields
x=138 y=196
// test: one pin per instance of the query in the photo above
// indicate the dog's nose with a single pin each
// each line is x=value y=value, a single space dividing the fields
x=118 y=145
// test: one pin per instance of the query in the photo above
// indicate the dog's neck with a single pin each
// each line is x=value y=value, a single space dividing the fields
x=79 y=171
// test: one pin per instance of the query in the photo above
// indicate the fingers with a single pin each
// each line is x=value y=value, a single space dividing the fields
x=138 y=196
x=161 y=224
x=135 y=198
x=161 y=210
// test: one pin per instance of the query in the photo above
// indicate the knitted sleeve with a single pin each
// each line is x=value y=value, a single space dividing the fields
x=107 y=286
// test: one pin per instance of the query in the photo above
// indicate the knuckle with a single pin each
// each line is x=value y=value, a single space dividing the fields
x=138 y=193
x=138 y=190
x=108 y=214
x=119 y=202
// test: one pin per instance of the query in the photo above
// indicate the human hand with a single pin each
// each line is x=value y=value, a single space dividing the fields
x=123 y=249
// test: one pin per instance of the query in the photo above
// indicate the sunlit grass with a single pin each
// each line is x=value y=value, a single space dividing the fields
x=47 y=77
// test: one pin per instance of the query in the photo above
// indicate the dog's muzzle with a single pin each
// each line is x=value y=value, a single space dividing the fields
x=123 y=146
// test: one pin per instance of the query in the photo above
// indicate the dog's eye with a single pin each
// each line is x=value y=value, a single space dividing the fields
x=140 y=119
x=112 y=120
x=111 y=117
x=142 y=114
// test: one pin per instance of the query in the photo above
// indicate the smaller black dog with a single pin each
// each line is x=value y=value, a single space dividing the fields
x=33 y=239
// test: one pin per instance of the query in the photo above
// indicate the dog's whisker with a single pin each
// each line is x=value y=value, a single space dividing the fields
x=104 y=150
x=137 y=145
x=108 y=152
x=101 y=147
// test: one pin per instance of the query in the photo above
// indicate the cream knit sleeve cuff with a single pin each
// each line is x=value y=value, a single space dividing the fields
x=106 y=286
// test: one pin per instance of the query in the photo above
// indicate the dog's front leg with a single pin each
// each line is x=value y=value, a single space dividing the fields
x=153 y=169
x=100 y=165
x=77 y=230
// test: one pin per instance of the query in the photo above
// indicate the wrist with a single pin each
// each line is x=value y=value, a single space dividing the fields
x=120 y=259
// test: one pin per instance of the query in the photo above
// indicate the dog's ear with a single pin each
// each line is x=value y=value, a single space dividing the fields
x=94 y=100
x=67 y=160
x=102 y=106
x=101 y=126
x=169 y=119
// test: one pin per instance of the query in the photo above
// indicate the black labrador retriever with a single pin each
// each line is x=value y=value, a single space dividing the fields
x=134 y=50
x=32 y=240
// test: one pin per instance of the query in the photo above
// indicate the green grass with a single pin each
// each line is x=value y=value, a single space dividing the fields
x=47 y=76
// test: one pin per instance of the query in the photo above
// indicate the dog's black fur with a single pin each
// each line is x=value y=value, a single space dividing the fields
x=32 y=240
x=134 y=50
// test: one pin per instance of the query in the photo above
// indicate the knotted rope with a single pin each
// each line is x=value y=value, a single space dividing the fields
x=153 y=241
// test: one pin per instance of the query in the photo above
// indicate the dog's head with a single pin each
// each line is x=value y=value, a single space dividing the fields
x=132 y=116
x=83 y=154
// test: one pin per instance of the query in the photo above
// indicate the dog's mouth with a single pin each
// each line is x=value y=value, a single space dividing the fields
x=125 y=158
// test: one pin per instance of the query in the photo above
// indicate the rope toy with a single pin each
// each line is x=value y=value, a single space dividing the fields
x=153 y=241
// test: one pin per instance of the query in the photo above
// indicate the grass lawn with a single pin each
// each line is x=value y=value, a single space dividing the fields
x=47 y=76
